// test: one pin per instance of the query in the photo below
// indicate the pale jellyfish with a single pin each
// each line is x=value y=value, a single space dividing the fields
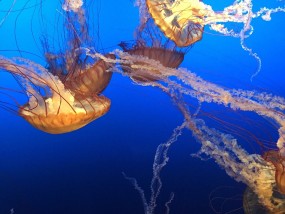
x=72 y=5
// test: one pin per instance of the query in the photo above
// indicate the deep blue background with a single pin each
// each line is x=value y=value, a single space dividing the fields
x=81 y=172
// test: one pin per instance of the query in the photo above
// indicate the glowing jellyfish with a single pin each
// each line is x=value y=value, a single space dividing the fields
x=151 y=44
x=66 y=95
x=250 y=169
x=52 y=92
x=83 y=81
x=51 y=107
x=181 y=21
x=169 y=58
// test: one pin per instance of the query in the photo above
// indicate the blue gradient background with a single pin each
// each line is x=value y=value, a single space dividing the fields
x=81 y=172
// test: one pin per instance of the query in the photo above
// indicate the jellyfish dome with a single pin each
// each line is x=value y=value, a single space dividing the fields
x=170 y=17
x=64 y=121
x=91 y=80
x=167 y=57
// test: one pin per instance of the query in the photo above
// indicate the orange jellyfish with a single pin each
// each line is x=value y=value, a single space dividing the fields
x=182 y=21
x=167 y=57
x=66 y=95
x=151 y=44
x=77 y=71
x=51 y=106
x=82 y=80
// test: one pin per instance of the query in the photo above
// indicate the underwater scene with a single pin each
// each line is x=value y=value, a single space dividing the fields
x=142 y=107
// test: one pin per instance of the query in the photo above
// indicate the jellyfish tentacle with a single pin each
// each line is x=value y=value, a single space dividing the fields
x=278 y=161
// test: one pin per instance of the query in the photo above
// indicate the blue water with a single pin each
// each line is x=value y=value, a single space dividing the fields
x=81 y=172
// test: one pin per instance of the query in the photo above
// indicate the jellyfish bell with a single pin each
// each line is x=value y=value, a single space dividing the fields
x=51 y=107
x=81 y=74
x=170 y=17
x=65 y=121
x=167 y=57
x=85 y=80
x=94 y=79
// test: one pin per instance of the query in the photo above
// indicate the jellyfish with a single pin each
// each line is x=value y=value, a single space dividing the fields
x=151 y=44
x=180 y=84
x=169 y=58
x=51 y=107
x=66 y=94
x=72 y=5
x=183 y=21
x=63 y=88
x=180 y=21
x=87 y=81
x=251 y=169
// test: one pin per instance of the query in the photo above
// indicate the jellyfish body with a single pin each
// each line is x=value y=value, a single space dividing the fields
x=64 y=122
x=66 y=95
x=166 y=57
x=181 y=21
x=92 y=80
x=52 y=107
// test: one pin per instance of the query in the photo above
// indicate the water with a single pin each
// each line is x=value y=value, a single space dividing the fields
x=81 y=172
